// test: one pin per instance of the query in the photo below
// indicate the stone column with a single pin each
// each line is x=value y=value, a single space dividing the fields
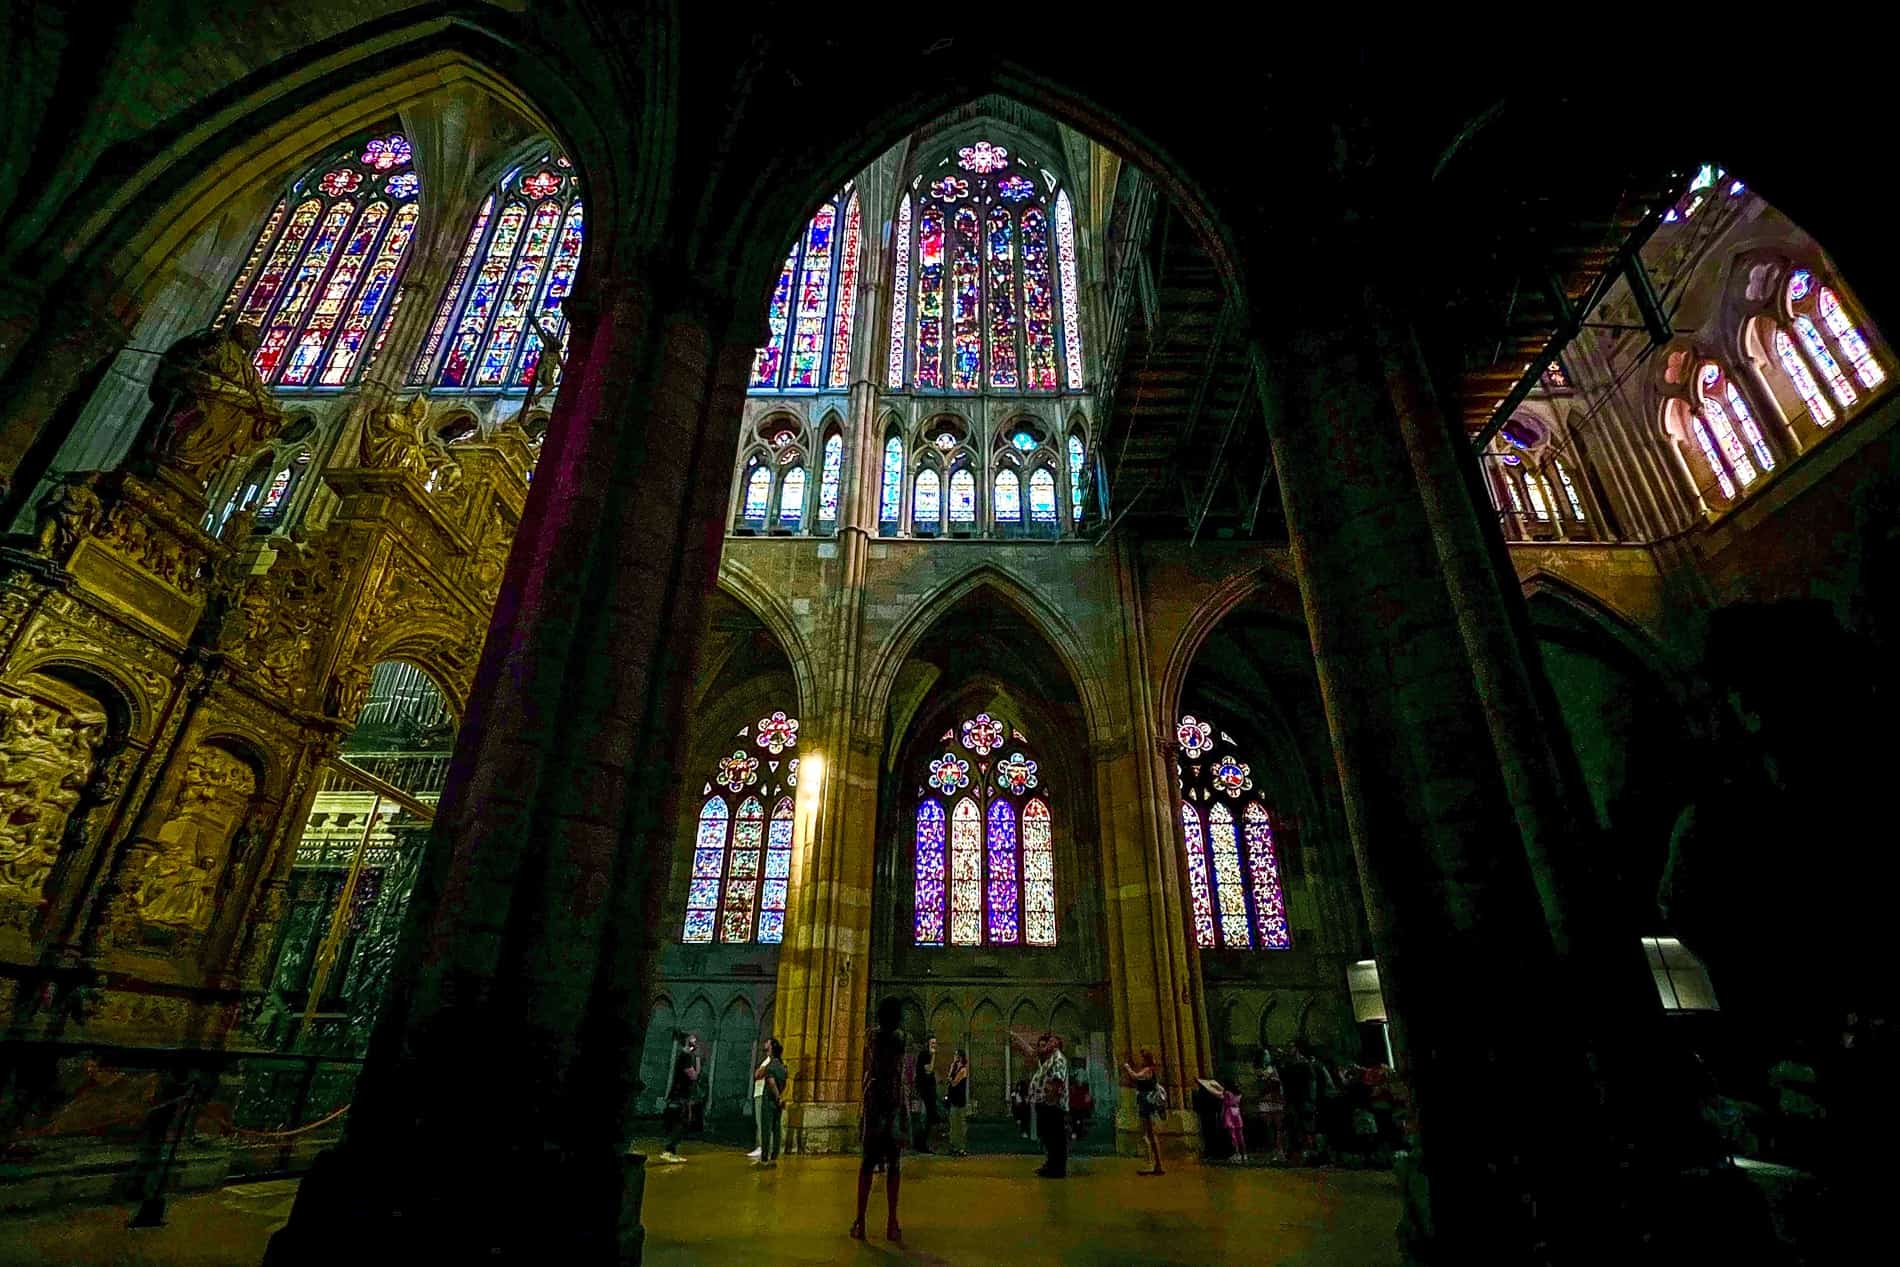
x=824 y=967
x=1154 y=969
x=493 y=1115
x=1441 y=820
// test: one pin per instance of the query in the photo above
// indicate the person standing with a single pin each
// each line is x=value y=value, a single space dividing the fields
x=1150 y=1103
x=927 y=1093
x=680 y=1090
x=1236 y=1124
x=1049 y=1093
x=959 y=1100
x=885 y=1116
x=759 y=1103
x=775 y=1082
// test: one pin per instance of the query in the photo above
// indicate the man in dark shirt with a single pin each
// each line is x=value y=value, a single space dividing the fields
x=679 y=1096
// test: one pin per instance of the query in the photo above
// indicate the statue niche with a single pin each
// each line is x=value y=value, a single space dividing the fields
x=46 y=760
x=209 y=405
x=176 y=888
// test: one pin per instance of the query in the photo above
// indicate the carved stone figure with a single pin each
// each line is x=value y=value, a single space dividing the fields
x=68 y=513
x=178 y=883
x=392 y=438
x=210 y=403
x=45 y=761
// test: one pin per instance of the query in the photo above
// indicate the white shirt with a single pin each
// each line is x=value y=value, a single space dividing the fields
x=758 y=1083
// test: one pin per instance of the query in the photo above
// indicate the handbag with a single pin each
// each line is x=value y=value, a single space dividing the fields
x=1157 y=1099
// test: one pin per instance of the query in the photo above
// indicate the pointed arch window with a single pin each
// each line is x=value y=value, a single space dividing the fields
x=742 y=851
x=998 y=855
x=319 y=280
x=1009 y=497
x=962 y=496
x=926 y=504
x=813 y=308
x=830 y=474
x=891 y=490
x=1725 y=434
x=1229 y=851
x=1078 y=477
x=791 y=499
x=758 y=493
x=503 y=305
x=983 y=263
x=1570 y=490
x=1827 y=348
x=1042 y=496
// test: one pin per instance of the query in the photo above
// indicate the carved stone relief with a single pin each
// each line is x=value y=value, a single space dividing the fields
x=177 y=882
x=46 y=757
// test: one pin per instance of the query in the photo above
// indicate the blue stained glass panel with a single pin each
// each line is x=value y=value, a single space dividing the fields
x=1003 y=919
x=1077 y=483
x=771 y=927
x=927 y=506
x=1199 y=888
x=930 y=859
x=699 y=926
x=704 y=894
x=1009 y=498
x=1042 y=496
x=890 y=497
x=829 y=477
x=963 y=497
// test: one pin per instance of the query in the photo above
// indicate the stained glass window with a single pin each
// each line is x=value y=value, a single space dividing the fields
x=1009 y=497
x=989 y=226
x=1042 y=496
x=1078 y=477
x=1263 y=875
x=1200 y=881
x=828 y=478
x=1001 y=847
x=1708 y=451
x=966 y=874
x=1039 y=876
x=926 y=504
x=319 y=280
x=1731 y=443
x=1848 y=335
x=1745 y=418
x=1005 y=926
x=791 y=498
x=930 y=296
x=930 y=892
x=778 y=870
x=758 y=493
x=1071 y=290
x=493 y=321
x=1797 y=371
x=962 y=497
x=847 y=303
x=1233 y=867
x=738 y=888
x=900 y=298
x=890 y=495
x=1539 y=508
x=1823 y=359
x=810 y=316
x=1570 y=491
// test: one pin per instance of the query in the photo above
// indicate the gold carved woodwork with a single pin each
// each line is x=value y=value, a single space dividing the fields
x=392 y=438
x=177 y=880
x=46 y=760
x=211 y=405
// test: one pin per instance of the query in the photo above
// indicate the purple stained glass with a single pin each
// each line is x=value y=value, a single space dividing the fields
x=778 y=315
x=1824 y=360
x=1848 y=335
x=1195 y=737
x=1016 y=188
x=1071 y=290
x=1263 y=869
x=778 y=857
x=709 y=864
x=517 y=299
x=1002 y=291
x=699 y=926
x=966 y=360
x=1004 y=919
x=567 y=259
x=404 y=186
x=982 y=158
x=1200 y=890
x=966 y=874
x=814 y=299
x=369 y=299
x=930 y=296
x=386 y=152
x=1039 y=876
x=1230 y=890
x=1039 y=338
x=930 y=892
x=1746 y=418
x=900 y=303
x=950 y=189
x=295 y=301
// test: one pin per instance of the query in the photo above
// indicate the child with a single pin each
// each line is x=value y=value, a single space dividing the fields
x=1231 y=1119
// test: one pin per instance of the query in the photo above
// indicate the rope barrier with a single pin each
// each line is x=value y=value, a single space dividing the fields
x=295 y=1130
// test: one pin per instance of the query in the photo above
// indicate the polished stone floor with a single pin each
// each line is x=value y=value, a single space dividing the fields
x=717 y=1209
